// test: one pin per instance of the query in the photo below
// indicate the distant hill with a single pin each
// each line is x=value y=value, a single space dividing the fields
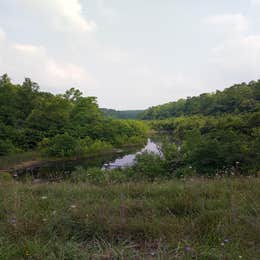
x=121 y=114
x=240 y=98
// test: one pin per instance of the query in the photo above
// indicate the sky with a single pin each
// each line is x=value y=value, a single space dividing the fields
x=131 y=54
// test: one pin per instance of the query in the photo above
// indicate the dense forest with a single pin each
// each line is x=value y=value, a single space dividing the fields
x=121 y=114
x=208 y=145
x=59 y=125
x=216 y=133
x=240 y=98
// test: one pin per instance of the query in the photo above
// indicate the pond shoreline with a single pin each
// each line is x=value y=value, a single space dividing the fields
x=28 y=164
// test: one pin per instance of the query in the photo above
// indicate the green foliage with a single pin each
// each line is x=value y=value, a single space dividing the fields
x=240 y=98
x=149 y=166
x=121 y=114
x=92 y=175
x=72 y=94
x=28 y=116
x=226 y=144
x=184 y=172
x=98 y=146
x=99 y=176
x=61 y=145
x=6 y=147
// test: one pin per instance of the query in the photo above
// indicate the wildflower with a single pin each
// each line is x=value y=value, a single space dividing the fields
x=54 y=212
x=187 y=248
x=240 y=256
x=226 y=241
x=43 y=197
x=222 y=244
x=44 y=220
x=13 y=221
x=73 y=206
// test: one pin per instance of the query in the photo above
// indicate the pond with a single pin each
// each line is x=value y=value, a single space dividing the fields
x=60 y=169
x=129 y=159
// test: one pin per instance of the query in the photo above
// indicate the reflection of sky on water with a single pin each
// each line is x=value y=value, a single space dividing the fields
x=129 y=159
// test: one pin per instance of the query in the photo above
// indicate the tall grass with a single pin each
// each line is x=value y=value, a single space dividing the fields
x=193 y=219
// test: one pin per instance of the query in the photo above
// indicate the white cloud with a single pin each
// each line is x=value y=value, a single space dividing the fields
x=234 y=22
x=28 y=48
x=63 y=14
x=105 y=10
x=255 y=2
x=2 y=34
x=238 y=59
x=114 y=55
x=64 y=71
x=21 y=60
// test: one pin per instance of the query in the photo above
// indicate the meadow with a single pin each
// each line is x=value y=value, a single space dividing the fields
x=194 y=218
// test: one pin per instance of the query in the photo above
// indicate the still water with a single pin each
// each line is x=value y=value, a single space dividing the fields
x=61 y=169
x=129 y=159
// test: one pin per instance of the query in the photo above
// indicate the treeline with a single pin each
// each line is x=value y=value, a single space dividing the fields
x=240 y=98
x=121 y=114
x=210 y=134
x=60 y=125
x=193 y=146
x=227 y=144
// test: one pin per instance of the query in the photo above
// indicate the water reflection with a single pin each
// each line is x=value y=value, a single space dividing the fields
x=129 y=159
x=63 y=169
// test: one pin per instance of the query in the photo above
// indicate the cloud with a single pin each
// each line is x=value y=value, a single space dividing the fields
x=65 y=71
x=255 y=2
x=21 y=60
x=230 y=22
x=2 y=34
x=105 y=10
x=28 y=48
x=237 y=59
x=65 y=15
x=113 y=55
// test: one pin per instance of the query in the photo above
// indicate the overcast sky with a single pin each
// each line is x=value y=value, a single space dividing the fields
x=131 y=54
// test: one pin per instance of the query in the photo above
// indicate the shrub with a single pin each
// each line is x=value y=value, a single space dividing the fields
x=184 y=172
x=62 y=145
x=79 y=175
x=150 y=166
x=98 y=146
x=6 y=147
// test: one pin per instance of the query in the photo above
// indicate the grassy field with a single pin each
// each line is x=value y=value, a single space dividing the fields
x=192 y=219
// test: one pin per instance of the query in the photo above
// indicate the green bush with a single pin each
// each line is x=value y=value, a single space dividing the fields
x=184 y=172
x=79 y=175
x=62 y=145
x=98 y=146
x=150 y=166
x=6 y=147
